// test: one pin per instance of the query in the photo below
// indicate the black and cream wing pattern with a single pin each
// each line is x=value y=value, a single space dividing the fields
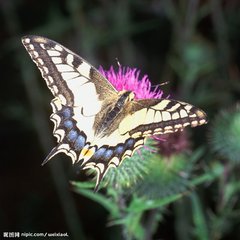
x=96 y=125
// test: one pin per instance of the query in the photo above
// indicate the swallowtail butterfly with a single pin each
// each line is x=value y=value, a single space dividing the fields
x=94 y=124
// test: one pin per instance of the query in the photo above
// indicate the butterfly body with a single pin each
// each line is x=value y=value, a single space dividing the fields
x=96 y=125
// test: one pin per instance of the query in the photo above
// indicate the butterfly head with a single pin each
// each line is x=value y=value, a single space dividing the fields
x=126 y=96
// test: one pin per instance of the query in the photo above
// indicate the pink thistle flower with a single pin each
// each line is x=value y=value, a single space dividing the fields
x=174 y=143
x=127 y=78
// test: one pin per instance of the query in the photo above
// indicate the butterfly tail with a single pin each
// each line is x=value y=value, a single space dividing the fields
x=60 y=148
x=96 y=188
x=53 y=152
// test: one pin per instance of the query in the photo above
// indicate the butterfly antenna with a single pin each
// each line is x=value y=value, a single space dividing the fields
x=160 y=84
x=118 y=63
x=164 y=83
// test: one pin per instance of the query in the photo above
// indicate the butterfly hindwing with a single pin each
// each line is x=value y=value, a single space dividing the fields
x=108 y=156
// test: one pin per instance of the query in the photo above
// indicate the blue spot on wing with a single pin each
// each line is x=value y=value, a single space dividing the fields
x=80 y=142
x=68 y=124
x=103 y=154
x=100 y=152
x=119 y=149
x=66 y=113
x=108 y=154
x=130 y=143
x=72 y=135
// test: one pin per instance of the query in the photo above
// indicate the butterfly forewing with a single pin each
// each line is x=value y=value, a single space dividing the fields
x=153 y=116
x=94 y=124
x=67 y=75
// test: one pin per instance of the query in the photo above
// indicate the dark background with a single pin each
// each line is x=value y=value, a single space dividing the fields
x=193 y=45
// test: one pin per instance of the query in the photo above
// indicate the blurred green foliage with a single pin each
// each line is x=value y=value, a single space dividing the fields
x=189 y=194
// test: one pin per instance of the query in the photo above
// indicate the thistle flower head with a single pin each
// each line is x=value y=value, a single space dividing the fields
x=225 y=134
x=173 y=143
x=127 y=78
